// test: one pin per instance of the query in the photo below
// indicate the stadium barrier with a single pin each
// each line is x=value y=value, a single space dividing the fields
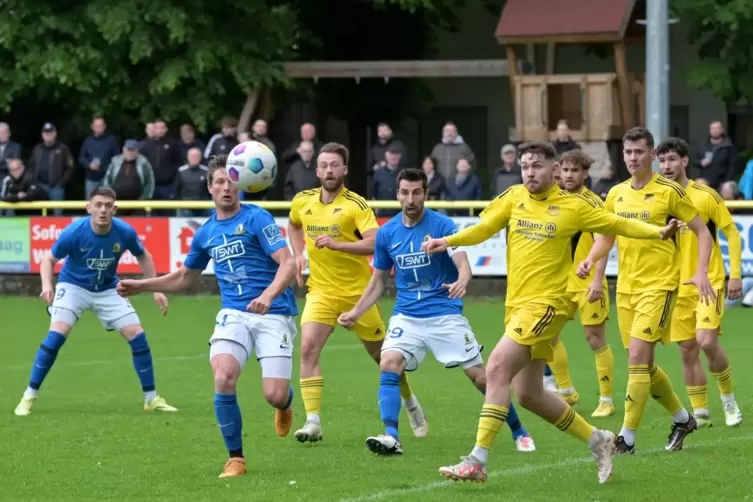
x=25 y=241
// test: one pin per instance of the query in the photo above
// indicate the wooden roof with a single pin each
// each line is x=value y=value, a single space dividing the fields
x=564 y=21
x=397 y=69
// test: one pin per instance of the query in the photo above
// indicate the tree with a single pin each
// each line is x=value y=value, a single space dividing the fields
x=140 y=59
x=723 y=32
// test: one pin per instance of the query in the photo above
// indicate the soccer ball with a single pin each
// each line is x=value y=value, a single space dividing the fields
x=252 y=166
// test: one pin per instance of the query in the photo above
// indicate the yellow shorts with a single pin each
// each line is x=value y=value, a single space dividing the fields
x=325 y=309
x=691 y=315
x=535 y=326
x=591 y=314
x=645 y=316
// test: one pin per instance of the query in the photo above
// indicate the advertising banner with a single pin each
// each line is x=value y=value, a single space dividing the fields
x=14 y=245
x=24 y=242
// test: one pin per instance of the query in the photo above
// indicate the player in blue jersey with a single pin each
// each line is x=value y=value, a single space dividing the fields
x=254 y=269
x=428 y=314
x=92 y=248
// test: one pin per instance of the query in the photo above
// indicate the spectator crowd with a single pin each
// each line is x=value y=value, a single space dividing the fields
x=160 y=167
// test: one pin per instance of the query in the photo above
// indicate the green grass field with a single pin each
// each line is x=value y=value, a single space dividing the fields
x=88 y=438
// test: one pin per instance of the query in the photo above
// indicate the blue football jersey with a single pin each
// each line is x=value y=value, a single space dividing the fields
x=241 y=248
x=92 y=259
x=418 y=276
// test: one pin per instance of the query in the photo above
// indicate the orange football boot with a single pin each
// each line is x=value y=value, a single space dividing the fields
x=236 y=466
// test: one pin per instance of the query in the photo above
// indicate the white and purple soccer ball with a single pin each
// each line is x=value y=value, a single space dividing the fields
x=252 y=166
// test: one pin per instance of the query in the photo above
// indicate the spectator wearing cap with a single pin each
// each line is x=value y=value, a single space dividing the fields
x=463 y=186
x=191 y=183
x=96 y=152
x=509 y=173
x=9 y=149
x=130 y=174
x=384 y=182
x=52 y=164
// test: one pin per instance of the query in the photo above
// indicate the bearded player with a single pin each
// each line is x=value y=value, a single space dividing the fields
x=696 y=325
x=428 y=314
x=338 y=229
x=589 y=296
x=647 y=284
x=541 y=219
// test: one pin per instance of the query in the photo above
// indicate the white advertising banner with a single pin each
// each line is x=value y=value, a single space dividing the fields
x=487 y=259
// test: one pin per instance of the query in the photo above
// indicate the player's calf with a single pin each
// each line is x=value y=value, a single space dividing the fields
x=720 y=370
x=276 y=373
x=695 y=381
x=43 y=361
x=142 y=363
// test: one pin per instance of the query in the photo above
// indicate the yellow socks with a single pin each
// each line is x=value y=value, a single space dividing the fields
x=574 y=424
x=492 y=418
x=605 y=370
x=560 y=368
x=638 y=388
x=311 y=393
x=662 y=392
x=724 y=381
x=405 y=391
x=699 y=398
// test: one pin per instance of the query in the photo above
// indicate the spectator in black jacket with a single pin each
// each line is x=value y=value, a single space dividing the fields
x=191 y=183
x=52 y=163
x=95 y=154
x=385 y=140
x=302 y=174
x=716 y=157
x=384 y=182
x=508 y=174
x=607 y=180
x=224 y=144
x=189 y=140
x=564 y=142
x=163 y=154
x=259 y=133
x=308 y=133
x=465 y=185
x=20 y=186
x=9 y=149
x=435 y=180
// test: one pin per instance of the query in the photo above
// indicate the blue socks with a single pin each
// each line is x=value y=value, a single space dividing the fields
x=45 y=358
x=231 y=424
x=547 y=371
x=290 y=400
x=142 y=362
x=514 y=422
x=389 y=402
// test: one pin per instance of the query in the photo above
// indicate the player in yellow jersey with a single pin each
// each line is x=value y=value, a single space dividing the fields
x=541 y=220
x=695 y=325
x=647 y=284
x=589 y=296
x=338 y=230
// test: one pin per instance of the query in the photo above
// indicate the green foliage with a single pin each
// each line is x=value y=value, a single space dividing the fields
x=191 y=60
x=723 y=32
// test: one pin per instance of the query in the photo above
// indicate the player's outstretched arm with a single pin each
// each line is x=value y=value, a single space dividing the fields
x=146 y=263
x=173 y=282
x=373 y=292
x=706 y=292
x=46 y=270
x=735 y=246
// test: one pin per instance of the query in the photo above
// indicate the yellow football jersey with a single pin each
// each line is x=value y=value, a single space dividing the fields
x=346 y=219
x=715 y=214
x=582 y=242
x=649 y=266
x=539 y=232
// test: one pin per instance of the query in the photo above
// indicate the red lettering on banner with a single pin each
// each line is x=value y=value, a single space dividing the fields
x=154 y=234
x=44 y=233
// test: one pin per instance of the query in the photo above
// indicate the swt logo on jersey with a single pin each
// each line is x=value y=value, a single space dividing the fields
x=412 y=260
x=227 y=251
x=99 y=264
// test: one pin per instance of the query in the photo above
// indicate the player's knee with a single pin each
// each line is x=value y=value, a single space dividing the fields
x=276 y=393
x=131 y=331
x=392 y=361
x=595 y=338
x=707 y=340
x=689 y=351
x=528 y=396
x=310 y=351
x=226 y=373
x=61 y=327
